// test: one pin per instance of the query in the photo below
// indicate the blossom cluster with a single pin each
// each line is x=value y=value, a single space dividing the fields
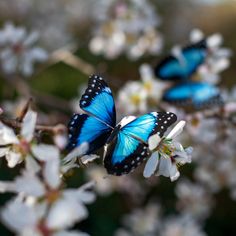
x=17 y=51
x=48 y=207
x=126 y=26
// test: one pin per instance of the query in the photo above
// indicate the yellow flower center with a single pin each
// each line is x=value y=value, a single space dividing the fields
x=135 y=99
x=195 y=121
x=148 y=86
x=52 y=195
x=23 y=147
x=165 y=149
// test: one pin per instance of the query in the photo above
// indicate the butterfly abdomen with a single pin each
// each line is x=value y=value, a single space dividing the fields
x=113 y=134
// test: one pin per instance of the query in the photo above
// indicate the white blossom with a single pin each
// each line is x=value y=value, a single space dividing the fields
x=125 y=27
x=17 y=53
x=16 y=148
x=217 y=57
x=140 y=95
x=181 y=225
x=193 y=199
x=143 y=221
x=167 y=154
x=57 y=210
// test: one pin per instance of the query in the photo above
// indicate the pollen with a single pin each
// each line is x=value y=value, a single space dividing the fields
x=135 y=99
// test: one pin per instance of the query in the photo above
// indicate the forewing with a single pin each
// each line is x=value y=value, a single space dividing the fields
x=98 y=101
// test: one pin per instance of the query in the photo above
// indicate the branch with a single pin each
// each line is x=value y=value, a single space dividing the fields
x=16 y=124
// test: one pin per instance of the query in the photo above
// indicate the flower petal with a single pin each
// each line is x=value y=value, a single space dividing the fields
x=153 y=141
x=77 y=152
x=51 y=173
x=28 y=126
x=151 y=165
x=70 y=233
x=65 y=213
x=3 y=151
x=174 y=173
x=44 y=152
x=12 y=216
x=13 y=158
x=7 y=135
x=176 y=130
x=164 y=167
x=196 y=35
x=29 y=184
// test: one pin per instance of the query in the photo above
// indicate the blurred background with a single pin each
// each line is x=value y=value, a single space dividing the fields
x=67 y=40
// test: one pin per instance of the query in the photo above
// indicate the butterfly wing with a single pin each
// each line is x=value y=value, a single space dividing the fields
x=129 y=147
x=205 y=95
x=171 y=68
x=96 y=125
x=98 y=101
x=84 y=128
x=195 y=94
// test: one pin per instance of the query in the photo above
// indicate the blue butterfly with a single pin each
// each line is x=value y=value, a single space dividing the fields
x=125 y=143
x=194 y=94
x=174 y=68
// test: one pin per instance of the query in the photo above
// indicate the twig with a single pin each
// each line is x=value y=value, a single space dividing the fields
x=15 y=124
x=72 y=60
x=24 y=110
x=220 y=113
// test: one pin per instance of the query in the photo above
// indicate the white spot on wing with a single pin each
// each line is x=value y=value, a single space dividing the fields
x=126 y=120
x=106 y=89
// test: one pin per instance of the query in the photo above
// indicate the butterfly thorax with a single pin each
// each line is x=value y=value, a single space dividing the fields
x=119 y=126
x=113 y=134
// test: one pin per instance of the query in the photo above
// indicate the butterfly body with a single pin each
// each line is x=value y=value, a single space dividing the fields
x=195 y=94
x=183 y=66
x=125 y=143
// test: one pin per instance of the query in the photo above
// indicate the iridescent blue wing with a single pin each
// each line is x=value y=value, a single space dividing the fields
x=129 y=147
x=98 y=101
x=96 y=125
x=84 y=128
x=194 y=94
x=171 y=68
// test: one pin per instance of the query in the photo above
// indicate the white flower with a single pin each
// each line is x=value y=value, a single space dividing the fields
x=37 y=220
x=128 y=27
x=12 y=216
x=50 y=156
x=143 y=221
x=16 y=148
x=167 y=154
x=66 y=208
x=29 y=183
x=140 y=96
x=181 y=225
x=64 y=213
x=132 y=98
x=193 y=199
x=17 y=51
x=217 y=58
x=153 y=87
